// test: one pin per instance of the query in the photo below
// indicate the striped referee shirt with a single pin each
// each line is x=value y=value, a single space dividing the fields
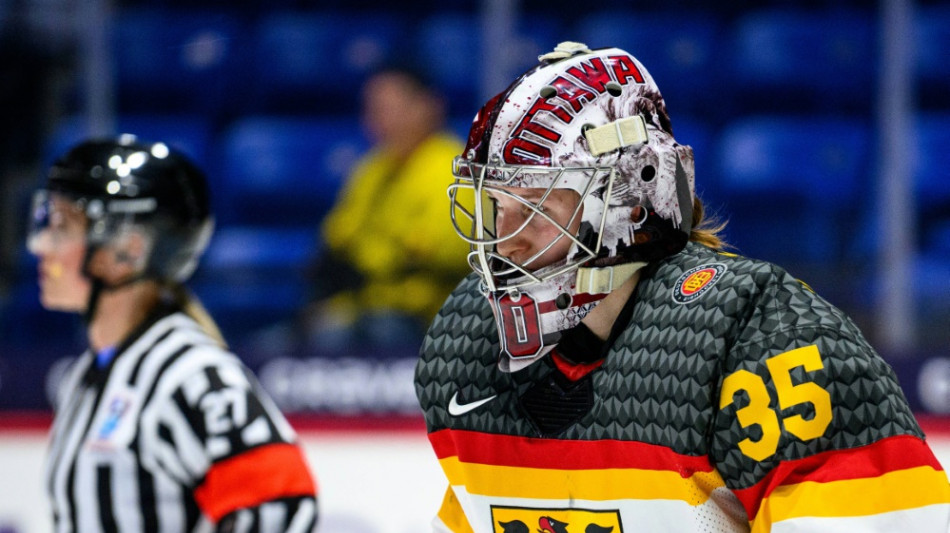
x=174 y=434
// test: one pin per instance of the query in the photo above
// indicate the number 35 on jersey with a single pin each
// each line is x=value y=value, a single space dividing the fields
x=765 y=406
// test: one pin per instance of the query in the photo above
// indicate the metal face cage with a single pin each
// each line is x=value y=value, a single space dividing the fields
x=473 y=216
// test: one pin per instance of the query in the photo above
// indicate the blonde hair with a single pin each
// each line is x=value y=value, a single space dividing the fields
x=706 y=231
x=193 y=307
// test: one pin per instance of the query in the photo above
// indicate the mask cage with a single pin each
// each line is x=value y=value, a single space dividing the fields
x=473 y=216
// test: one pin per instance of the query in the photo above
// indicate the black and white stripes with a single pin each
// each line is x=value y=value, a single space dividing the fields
x=172 y=415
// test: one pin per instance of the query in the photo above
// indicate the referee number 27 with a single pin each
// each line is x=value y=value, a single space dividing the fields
x=758 y=411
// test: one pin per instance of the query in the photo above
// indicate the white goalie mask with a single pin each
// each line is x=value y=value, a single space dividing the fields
x=593 y=122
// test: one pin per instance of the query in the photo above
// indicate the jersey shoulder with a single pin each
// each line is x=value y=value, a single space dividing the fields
x=757 y=298
x=464 y=326
x=176 y=350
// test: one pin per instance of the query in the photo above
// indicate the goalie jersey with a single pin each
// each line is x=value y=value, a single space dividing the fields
x=729 y=398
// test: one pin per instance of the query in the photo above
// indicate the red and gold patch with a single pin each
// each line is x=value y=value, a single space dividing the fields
x=697 y=281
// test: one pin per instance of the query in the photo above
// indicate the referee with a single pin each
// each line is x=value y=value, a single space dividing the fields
x=158 y=426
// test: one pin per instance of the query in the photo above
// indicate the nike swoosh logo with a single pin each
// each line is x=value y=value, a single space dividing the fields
x=457 y=409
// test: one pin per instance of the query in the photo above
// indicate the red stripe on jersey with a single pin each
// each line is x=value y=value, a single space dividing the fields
x=507 y=450
x=888 y=455
x=259 y=475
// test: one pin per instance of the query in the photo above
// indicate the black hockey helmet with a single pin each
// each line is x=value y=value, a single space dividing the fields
x=123 y=184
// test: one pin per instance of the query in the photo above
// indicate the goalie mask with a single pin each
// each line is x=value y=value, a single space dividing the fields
x=592 y=122
x=123 y=187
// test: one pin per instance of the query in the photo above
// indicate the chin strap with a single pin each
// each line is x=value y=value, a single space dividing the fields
x=601 y=280
x=98 y=287
x=92 y=305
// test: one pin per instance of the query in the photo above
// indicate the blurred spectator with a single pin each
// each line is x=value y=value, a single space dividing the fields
x=390 y=257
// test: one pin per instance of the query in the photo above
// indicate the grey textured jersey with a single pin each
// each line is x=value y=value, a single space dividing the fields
x=722 y=366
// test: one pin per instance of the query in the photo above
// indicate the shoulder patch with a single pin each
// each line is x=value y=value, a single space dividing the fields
x=696 y=281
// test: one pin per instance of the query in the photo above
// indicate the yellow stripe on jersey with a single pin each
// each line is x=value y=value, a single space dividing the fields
x=600 y=484
x=452 y=515
x=894 y=491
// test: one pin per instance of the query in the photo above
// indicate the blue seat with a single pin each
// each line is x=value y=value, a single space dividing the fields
x=189 y=133
x=697 y=133
x=177 y=59
x=939 y=240
x=679 y=50
x=252 y=277
x=932 y=176
x=243 y=309
x=933 y=41
x=460 y=125
x=259 y=250
x=318 y=61
x=449 y=46
x=795 y=60
x=791 y=185
x=284 y=171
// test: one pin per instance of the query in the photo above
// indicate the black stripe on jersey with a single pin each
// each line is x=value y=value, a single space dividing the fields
x=193 y=416
x=165 y=433
x=230 y=522
x=104 y=491
x=161 y=372
x=134 y=376
x=71 y=491
x=71 y=478
x=214 y=380
x=293 y=507
x=147 y=499
x=192 y=513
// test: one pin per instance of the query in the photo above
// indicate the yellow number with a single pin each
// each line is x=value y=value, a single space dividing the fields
x=756 y=413
x=780 y=368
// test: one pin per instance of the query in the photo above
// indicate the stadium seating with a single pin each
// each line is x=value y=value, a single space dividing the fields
x=448 y=46
x=252 y=277
x=316 y=62
x=681 y=51
x=191 y=133
x=284 y=171
x=791 y=184
x=932 y=181
x=933 y=69
x=775 y=98
x=182 y=60
x=795 y=60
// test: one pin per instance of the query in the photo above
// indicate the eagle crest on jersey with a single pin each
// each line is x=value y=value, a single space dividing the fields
x=594 y=122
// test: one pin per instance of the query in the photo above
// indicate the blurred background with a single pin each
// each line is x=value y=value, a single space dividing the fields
x=821 y=130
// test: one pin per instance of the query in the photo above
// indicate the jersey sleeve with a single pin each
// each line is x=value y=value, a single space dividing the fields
x=216 y=431
x=813 y=432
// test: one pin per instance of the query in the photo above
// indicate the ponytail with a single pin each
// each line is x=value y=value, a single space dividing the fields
x=707 y=232
x=192 y=306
